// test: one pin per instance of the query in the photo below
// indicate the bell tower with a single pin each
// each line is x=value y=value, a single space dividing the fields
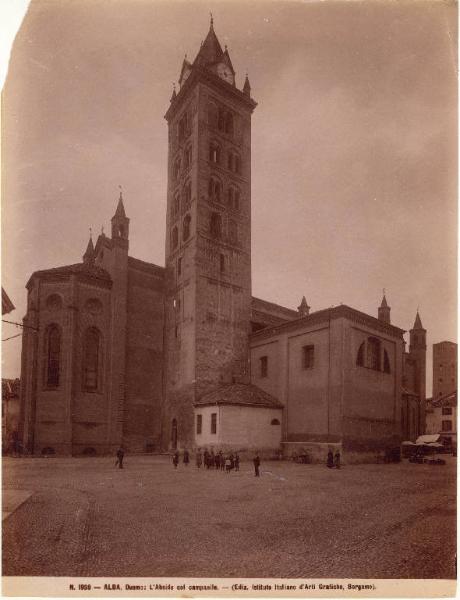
x=208 y=236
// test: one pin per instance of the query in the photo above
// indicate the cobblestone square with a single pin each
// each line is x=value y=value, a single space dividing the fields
x=84 y=517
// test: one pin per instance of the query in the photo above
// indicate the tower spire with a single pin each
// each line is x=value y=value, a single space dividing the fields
x=384 y=310
x=303 y=308
x=120 y=222
x=88 y=256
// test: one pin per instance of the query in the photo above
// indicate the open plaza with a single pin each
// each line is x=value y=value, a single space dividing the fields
x=84 y=517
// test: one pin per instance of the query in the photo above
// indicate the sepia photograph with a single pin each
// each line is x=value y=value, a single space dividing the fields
x=229 y=298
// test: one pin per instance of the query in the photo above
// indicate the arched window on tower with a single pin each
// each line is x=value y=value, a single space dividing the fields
x=176 y=169
x=53 y=356
x=214 y=153
x=188 y=156
x=230 y=194
x=187 y=195
x=232 y=231
x=176 y=205
x=229 y=123
x=186 y=227
x=212 y=115
x=214 y=189
x=91 y=359
x=216 y=225
x=174 y=238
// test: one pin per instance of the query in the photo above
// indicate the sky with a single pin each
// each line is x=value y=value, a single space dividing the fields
x=354 y=145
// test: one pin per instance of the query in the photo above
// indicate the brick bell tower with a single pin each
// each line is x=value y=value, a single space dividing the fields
x=208 y=237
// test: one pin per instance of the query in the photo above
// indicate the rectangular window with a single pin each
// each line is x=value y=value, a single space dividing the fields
x=447 y=425
x=264 y=366
x=213 y=422
x=447 y=410
x=199 y=423
x=308 y=357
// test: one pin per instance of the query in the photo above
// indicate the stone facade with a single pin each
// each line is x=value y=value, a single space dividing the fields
x=121 y=351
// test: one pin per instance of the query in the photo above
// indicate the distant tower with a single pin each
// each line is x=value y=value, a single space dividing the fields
x=303 y=308
x=208 y=236
x=417 y=351
x=384 y=310
x=120 y=222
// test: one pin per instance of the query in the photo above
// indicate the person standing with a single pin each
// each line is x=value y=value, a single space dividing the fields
x=330 y=460
x=199 y=459
x=217 y=462
x=120 y=456
x=176 y=459
x=222 y=461
x=237 y=462
x=337 y=460
x=186 y=457
x=256 y=461
x=206 y=458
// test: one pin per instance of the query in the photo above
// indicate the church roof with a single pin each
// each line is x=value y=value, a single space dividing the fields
x=326 y=315
x=240 y=394
x=87 y=269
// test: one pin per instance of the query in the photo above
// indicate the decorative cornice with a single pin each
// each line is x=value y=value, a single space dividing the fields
x=199 y=74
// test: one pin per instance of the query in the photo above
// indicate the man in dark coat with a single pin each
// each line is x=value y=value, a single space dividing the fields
x=186 y=457
x=176 y=459
x=120 y=456
x=222 y=461
x=330 y=460
x=199 y=458
x=256 y=461
x=237 y=462
x=337 y=460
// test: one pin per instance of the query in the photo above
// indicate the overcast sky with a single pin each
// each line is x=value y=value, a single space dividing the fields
x=354 y=144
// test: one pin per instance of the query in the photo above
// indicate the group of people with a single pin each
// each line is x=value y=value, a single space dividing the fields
x=333 y=460
x=217 y=461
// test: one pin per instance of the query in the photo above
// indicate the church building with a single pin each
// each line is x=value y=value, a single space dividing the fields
x=121 y=351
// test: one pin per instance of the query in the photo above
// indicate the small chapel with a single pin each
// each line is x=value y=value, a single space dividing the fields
x=156 y=358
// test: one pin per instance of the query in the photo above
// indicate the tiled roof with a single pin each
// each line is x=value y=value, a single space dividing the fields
x=77 y=269
x=240 y=394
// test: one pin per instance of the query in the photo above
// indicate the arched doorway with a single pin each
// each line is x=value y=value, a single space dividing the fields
x=174 y=434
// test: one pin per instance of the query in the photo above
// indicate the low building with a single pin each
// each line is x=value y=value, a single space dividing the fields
x=441 y=417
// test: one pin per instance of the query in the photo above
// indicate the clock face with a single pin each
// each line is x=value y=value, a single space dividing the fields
x=225 y=73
